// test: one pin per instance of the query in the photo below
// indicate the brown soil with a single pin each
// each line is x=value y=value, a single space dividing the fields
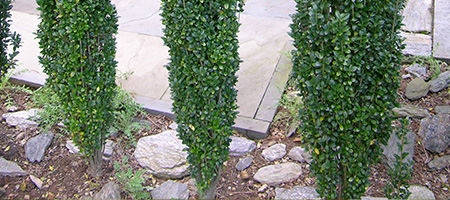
x=65 y=175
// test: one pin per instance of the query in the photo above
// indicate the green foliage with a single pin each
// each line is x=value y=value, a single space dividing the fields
x=78 y=51
x=48 y=100
x=125 y=109
x=397 y=186
x=7 y=38
x=202 y=37
x=132 y=180
x=347 y=65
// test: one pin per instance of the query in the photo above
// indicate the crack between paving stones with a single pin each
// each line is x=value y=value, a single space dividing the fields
x=139 y=19
x=267 y=87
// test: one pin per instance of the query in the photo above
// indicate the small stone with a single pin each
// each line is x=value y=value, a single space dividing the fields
x=8 y=168
x=411 y=111
x=72 y=148
x=110 y=191
x=173 y=126
x=20 y=136
x=297 y=192
x=420 y=192
x=441 y=82
x=274 y=152
x=435 y=131
x=108 y=150
x=2 y=191
x=245 y=175
x=442 y=109
x=439 y=163
x=22 y=118
x=12 y=109
x=26 y=197
x=192 y=186
x=417 y=89
x=171 y=190
x=391 y=149
x=300 y=154
x=406 y=76
x=240 y=146
x=244 y=163
x=36 y=146
x=36 y=181
x=277 y=174
x=417 y=70
x=263 y=188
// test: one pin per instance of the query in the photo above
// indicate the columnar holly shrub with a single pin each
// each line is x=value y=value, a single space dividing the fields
x=7 y=38
x=347 y=63
x=78 y=51
x=202 y=37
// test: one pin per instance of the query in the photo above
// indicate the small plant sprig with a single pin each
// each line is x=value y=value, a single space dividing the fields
x=132 y=180
x=397 y=186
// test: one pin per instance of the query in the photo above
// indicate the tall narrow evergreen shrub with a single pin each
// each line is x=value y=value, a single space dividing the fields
x=347 y=63
x=202 y=37
x=7 y=38
x=77 y=38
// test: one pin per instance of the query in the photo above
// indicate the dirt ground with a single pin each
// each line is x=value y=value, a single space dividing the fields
x=65 y=175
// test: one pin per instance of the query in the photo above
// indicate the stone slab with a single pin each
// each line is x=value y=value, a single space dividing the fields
x=417 y=44
x=441 y=32
x=270 y=8
x=417 y=16
x=269 y=104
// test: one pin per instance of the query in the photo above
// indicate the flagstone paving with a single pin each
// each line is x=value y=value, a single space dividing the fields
x=263 y=40
x=262 y=76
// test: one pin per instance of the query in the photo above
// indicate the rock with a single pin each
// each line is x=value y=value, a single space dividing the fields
x=441 y=29
x=441 y=82
x=21 y=119
x=299 y=154
x=435 y=132
x=108 y=150
x=240 y=146
x=277 y=174
x=12 y=109
x=2 y=191
x=244 y=163
x=411 y=111
x=171 y=190
x=163 y=155
x=416 y=44
x=417 y=16
x=392 y=149
x=274 y=152
x=417 y=89
x=405 y=76
x=420 y=192
x=442 y=109
x=439 y=163
x=263 y=188
x=173 y=126
x=110 y=191
x=70 y=145
x=298 y=192
x=20 y=136
x=417 y=70
x=36 y=146
x=245 y=175
x=8 y=168
x=36 y=181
